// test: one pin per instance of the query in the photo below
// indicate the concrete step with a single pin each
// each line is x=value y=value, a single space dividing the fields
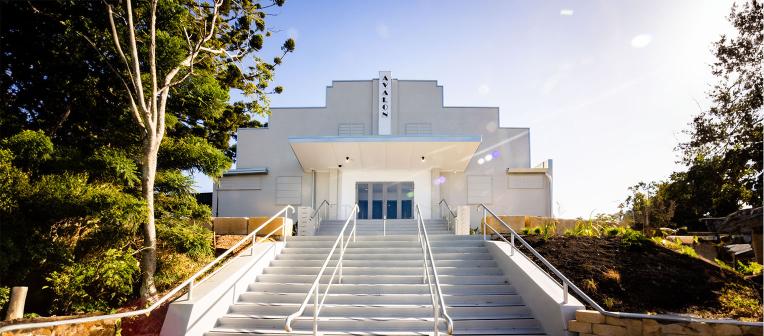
x=383 y=263
x=387 y=256
x=384 y=250
x=353 y=324
x=390 y=237
x=380 y=232
x=386 y=244
x=381 y=299
x=386 y=279
x=290 y=288
x=351 y=270
x=263 y=310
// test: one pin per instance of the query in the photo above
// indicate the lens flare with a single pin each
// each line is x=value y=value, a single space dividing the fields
x=481 y=161
x=488 y=157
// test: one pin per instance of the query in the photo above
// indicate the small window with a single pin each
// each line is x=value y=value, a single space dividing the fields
x=351 y=129
x=418 y=129
x=288 y=190
x=479 y=189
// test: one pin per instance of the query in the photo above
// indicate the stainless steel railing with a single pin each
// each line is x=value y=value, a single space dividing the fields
x=317 y=213
x=569 y=285
x=189 y=283
x=315 y=288
x=448 y=215
x=438 y=303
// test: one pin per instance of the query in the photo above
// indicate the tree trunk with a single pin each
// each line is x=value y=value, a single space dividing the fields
x=149 y=254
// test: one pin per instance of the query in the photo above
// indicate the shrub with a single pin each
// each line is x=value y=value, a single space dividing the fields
x=676 y=246
x=172 y=268
x=631 y=237
x=185 y=237
x=753 y=268
x=5 y=296
x=739 y=301
x=584 y=228
x=96 y=283
x=30 y=148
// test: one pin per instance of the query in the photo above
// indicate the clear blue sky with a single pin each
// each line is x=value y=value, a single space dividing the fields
x=606 y=87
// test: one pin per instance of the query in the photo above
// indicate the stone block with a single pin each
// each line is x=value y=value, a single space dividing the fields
x=650 y=327
x=579 y=326
x=608 y=330
x=677 y=329
x=721 y=329
x=591 y=316
x=752 y=330
x=701 y=328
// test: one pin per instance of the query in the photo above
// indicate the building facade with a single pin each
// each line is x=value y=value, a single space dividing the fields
x=384 y=144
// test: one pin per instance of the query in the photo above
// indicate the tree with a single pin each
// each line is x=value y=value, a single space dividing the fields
x=216 y=34
x=729 y=134
x=63 y=74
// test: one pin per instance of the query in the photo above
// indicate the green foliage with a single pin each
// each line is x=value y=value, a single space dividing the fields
x=584 y=228
x=632 y=238
x=30 y=148
x=753 y=268
x=173 y=268
x=5 y=296
x=114 y=165
x=739 y=301
x=676 y=246
x=94 y=284
x=193 y=153
x=184 y=237
x=70 y=149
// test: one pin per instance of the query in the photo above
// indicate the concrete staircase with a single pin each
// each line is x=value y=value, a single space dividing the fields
x=374 y=227
x=382 y=291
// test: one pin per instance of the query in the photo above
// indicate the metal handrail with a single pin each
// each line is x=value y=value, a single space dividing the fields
x=424 y=240
x=317 y=213
x=315 y=288
x=449 y=220
x=569 y=285
x=189 y=283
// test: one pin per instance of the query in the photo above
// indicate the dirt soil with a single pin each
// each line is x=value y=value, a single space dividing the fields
x=647 y=278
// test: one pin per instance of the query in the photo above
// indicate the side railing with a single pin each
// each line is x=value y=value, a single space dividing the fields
x=568 y=285
x=439 y=310
x=314 y=290
x=449 y=215
x=324 y=206
x=188 y=284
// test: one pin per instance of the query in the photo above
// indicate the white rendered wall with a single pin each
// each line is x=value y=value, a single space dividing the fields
x=348 y=179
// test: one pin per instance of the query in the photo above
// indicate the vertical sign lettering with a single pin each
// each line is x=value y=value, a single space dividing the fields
x=385 y=105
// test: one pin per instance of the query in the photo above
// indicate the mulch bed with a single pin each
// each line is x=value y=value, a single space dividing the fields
x=646 y=278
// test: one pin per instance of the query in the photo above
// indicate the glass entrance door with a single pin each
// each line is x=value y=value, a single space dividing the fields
x=377 y=200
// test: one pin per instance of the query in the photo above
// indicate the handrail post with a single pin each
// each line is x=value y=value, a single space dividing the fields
x=485 y=225
x=315 y=310
x=564 y=292
x=342 y=254
x=384 y=225
x=355 y=217
x=190 y=288
x=512 y=244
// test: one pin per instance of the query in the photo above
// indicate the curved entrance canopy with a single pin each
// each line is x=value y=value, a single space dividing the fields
x=452 y=153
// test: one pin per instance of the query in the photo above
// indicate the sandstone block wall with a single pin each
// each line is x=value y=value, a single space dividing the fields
x=590 y=322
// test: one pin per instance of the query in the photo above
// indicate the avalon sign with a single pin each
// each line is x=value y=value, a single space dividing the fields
x=385 y=95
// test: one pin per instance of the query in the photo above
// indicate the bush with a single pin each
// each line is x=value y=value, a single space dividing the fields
x=753 y=268
x=30 y=148
x=676 y=246
x=5 y=296
x=185 y=237
x=631 y=237
x=173 y=268
x=97 y=283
